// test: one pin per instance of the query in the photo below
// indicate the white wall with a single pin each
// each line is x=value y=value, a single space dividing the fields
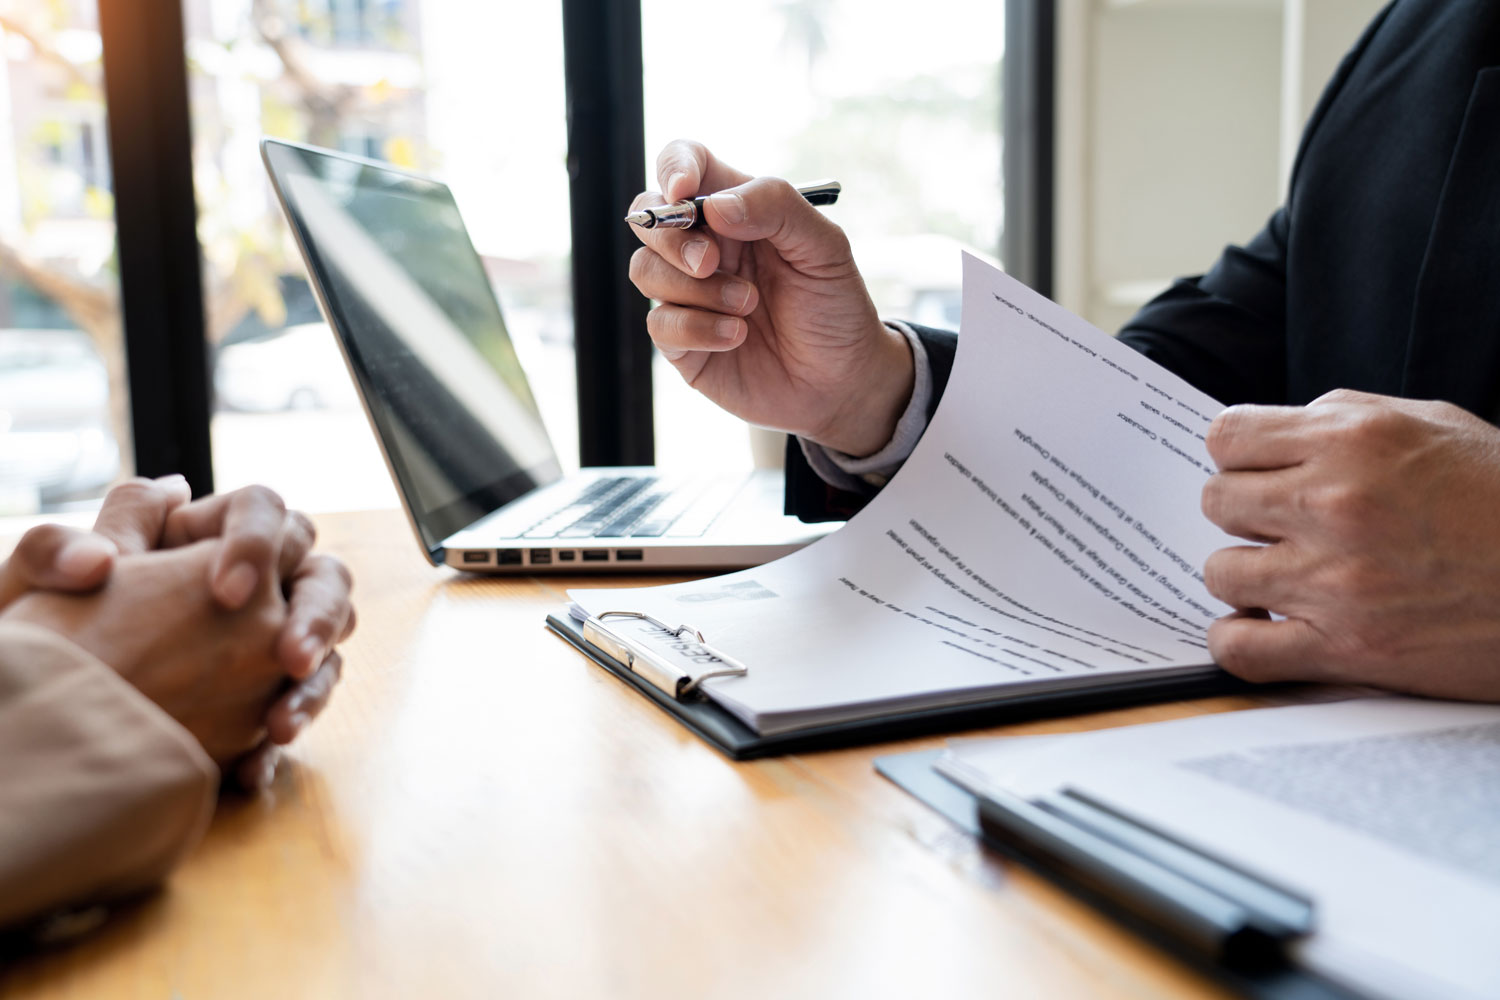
x=1177 y=120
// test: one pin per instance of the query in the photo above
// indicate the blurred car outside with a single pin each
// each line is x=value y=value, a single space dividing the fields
x=295 y=368
x=56 y=443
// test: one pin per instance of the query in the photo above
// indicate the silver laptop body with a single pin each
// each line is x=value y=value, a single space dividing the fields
x=412 y=309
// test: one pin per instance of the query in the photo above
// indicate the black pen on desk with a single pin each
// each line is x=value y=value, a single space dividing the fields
x=1204 y=904
x=689 y=214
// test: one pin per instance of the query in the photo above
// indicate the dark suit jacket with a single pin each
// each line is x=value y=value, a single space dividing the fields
x=1382 y=270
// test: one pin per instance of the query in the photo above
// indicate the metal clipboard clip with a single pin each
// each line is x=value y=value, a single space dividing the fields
x=651 y=665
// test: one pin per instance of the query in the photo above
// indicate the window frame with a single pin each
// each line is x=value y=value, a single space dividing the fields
x=161 y=295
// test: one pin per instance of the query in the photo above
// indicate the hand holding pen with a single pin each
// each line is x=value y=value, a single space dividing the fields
x=761 y=307
x=688 y=214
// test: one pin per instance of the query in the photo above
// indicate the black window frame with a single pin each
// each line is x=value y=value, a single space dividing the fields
x=161 y=295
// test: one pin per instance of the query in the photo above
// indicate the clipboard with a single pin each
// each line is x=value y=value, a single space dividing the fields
x=680 y=695
x=1260 y=974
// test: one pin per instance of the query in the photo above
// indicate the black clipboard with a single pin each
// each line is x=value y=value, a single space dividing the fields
x=1274 y=978
x=738 y=741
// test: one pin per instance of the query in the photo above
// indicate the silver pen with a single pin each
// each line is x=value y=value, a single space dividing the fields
x=689 y=214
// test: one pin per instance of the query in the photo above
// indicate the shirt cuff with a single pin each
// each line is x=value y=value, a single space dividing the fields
x=863 y=475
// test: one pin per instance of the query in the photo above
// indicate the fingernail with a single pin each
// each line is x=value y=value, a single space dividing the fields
x=730 y=206
x=267 y=773
x=295 y=702
x=736 y=294
x=672 y=183
x=84 y=556
x=311 y=649
x=692 y=254
x=298 y=721
x=727 y=329
x=175 y=483
x=235 y=588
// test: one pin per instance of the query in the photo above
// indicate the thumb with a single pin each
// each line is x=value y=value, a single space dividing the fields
x=770 y=209
x=51 y=557
x=134 y=513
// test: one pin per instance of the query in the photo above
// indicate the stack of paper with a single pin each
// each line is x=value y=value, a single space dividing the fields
x=1384 y=811
x=1045 y=536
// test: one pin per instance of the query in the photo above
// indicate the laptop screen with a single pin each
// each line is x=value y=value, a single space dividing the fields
x=409 y=299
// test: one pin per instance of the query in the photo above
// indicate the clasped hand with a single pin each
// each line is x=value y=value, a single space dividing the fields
x=218 y=610
x=1379 y=528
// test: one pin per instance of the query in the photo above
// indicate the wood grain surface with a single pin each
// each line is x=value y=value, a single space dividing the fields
x=483 y=813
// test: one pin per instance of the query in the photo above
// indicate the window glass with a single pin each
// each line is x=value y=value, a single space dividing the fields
x=64 y=410
x=416 y=83
x=900 y=104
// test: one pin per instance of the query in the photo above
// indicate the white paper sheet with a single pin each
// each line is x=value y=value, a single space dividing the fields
x=1385 y=811
x=1045 y=534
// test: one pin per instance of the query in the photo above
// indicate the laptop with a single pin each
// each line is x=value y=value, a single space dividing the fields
x=416 y=319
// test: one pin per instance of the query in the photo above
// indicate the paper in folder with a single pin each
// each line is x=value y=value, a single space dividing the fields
x=1041 y=550
x=1363 y=836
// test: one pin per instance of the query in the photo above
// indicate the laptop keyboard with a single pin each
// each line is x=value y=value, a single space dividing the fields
x=636 y=507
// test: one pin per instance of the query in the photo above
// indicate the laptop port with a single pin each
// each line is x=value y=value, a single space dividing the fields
x=567 y=555
x=629 y=555
x=508 y=557
x=596 y=555
x=476 y=557
x=541 y=557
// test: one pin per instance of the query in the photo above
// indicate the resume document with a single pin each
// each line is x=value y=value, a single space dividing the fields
x=1045 y=535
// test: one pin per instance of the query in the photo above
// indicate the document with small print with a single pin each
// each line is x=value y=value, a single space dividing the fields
x=1384 y=811
x=1044 y=536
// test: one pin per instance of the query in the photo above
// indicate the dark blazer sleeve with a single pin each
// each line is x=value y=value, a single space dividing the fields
x=1224 y=331
x=811 y=499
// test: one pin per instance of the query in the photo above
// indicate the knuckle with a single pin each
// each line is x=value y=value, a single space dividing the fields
x=333 y=570
x=1215 y=569
x=256 y=547
x=778 y=188
x=1225 y=429
x=268 y=619
x=1444 y=412
x=1346 y=396
x=1360 y=583
x=1355 y=649
x=1230 y=651
x=654 y=323
x=839 y=238
x=1341 y=502
x=1379 y=422
x=262 y=496
x=1233 y=649
x=41 y=540
x=679 y=153
x=135 y=490
x=303 y=525
x=773 y=198
x=667 y=324
x=640 y=266
x=1369 y=428
x=1212 y=501
x=324 y=625
x=341 y=573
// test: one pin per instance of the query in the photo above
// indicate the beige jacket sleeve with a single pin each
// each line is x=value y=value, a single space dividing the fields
x=101 y=793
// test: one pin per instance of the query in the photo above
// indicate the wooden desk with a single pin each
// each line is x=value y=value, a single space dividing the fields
x=484 y=813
